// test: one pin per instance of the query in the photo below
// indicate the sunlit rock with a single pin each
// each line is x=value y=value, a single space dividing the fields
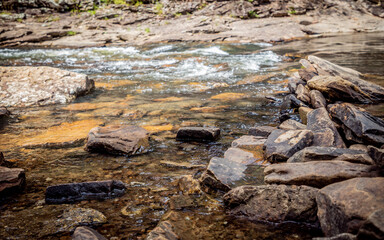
x=229 y=96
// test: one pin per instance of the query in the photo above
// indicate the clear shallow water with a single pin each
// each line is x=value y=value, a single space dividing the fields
x=159 y=87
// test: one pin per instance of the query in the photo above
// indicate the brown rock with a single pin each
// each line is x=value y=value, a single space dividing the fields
x=10 y=179
x=25 y=86
x=373 y=227
x=343 y=207
x=86 y=233
x=125 y=140
x=302 y=93
x=317 y=99
x=377 y=155
x=262 y=131
x=251 y=143
x=316 y=173
x=303 y=112
x=273 y=203
x=291 y=124
x=198 y=134
x=163 y=231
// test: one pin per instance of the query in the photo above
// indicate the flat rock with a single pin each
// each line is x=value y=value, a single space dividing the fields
x=330 y=153
x=273 y=203
x=198 y=134
x=118 y=140
x=72 y=192
x=377 y=154
x=344 y=207
x=291 y=124
x=324 y=130
x=26 y=86
x=282 y=144
x=4 y=112
x=86 y=233
x=317 y=99
x=164 y=230
x=316 y=173
x=359 y=126
x=373 y=227
x=11 y=179
x=248 y=142
x=342 y=236
x=262 y=131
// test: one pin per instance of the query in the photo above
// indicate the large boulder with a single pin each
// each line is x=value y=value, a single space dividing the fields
x=282 y=144
x=72 y=192
x=343 y=207
x=118 y=140
x=316 y=173
x=26 y=86
x=373 y=91
x=273 y=203
x=198 y=134
x=325 y=132
x=11 y=179
x=86 y=233
x=359 y=126
x=330 y=153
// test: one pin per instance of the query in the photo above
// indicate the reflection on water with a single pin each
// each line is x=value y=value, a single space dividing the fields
x=161 y=88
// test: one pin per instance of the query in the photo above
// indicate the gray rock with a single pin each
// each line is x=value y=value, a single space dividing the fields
x=118 y=140
x=316 y=173
x=163 y=231
x=342 y=236
x=248 y=142
x=262 y=131
x=302 y=93
x=11 y=179
x=359 y=126
x=377 y=155
x=4 y=112
x=282 y=144
x=198 y=134
x=26 y=86
x=273 y=203
x=343 y=207
x=210 y=184
x=325 y=132
x=72 y=192
x=291 y=124
x=86 y=233
x=330 y=153
x=306 y=75
x=373 y=227
x=317 y=99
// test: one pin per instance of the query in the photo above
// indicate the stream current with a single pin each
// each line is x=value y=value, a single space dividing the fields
x=160 y=87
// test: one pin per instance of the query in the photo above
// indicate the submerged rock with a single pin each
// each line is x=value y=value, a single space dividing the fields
x=72 y=192
x=316 y=173
x=164 y=230
x=86 y=233
x=273 y=203
x=282 y=144
x=330 y=153
x=198 y=134
x=118 y=140
x=11 y=179
x=359 y=126
x=26 y=86
x=343 y=207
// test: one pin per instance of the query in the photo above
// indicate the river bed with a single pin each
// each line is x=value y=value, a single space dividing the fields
x=160 y=87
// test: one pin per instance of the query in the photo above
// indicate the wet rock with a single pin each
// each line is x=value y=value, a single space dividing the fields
x=188 y=185
x=251 y=143
x=316 y=173
x=262 y=131
x=291 y=124
x=4 y=162
x=302 y=93
x=72 y=192
x=198 y=134
x=210 y=184
x=377 y=155
x=282 y=144
x=11 y=179
x=26 y=86
x=182 y=165
x=86 y=233
x=317 y=99
x=373 y=227
x=339 y=214
x=180 y=202
x=293 y=102
x=164 y=230
x=337 y=88
x=303 y=112
x=273 y=203
x=359 y=126
x=118 y=140
x=4 y=113
x=374 y=91
x=330 y=153
x=306 y=75
x=342 y=236
x=325 y=132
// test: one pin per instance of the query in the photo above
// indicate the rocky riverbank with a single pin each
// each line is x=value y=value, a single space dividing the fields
x=87 y=23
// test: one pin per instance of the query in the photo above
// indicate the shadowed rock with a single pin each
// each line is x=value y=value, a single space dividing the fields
x=273 y=203
x=343 y=207
x=359 y=126
x=72 y=192
x=373 y=227
x=330 y=153
x=317 y=99
x=4 y=112
x=342 y=236
x=86 y=233
x=282 y=144
x=316 y=173
x=377 y=155
x=11 y=179
x=118 y=140
x=198 y=134
x=262 y=131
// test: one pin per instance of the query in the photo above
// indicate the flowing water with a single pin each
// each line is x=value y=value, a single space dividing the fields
x=161 y=88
